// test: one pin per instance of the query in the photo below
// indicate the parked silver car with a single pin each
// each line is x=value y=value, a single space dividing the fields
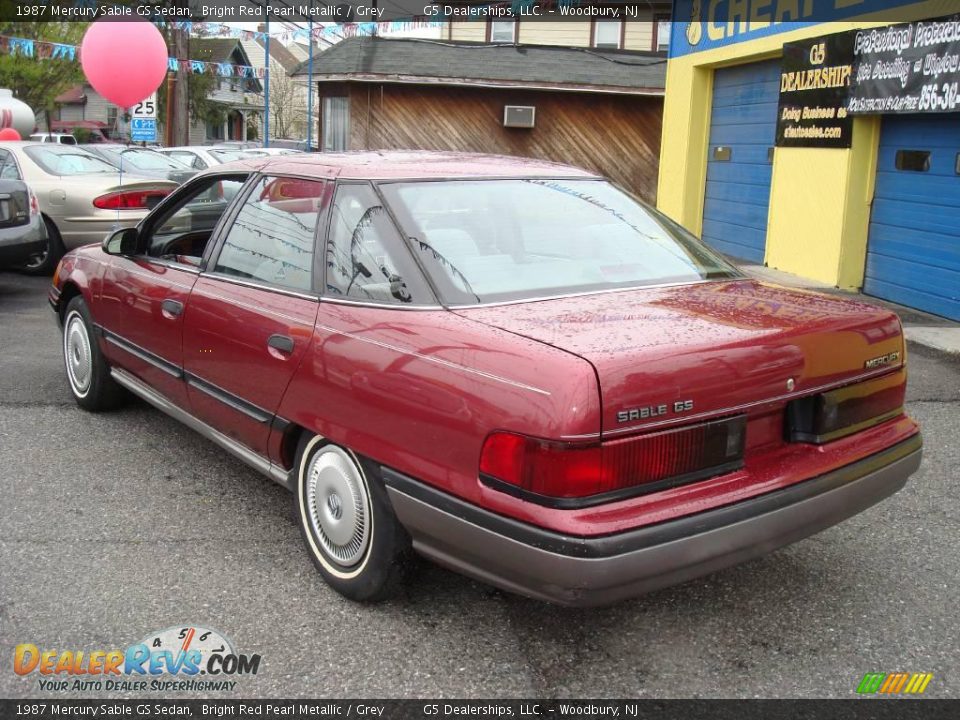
x=142 y=162
x=81 y=197
x=201 y=157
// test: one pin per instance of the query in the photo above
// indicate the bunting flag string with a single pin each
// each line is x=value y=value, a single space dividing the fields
x=320 y=32
x=60 y=51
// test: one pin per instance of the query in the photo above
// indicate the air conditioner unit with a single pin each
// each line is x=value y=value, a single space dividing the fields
x=519 y=116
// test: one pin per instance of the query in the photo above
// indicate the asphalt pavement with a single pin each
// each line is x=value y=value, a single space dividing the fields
x=116 y=525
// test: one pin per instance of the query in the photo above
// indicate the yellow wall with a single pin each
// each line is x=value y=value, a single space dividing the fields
x=819 y=198
x=573 y=34
x=468 y=31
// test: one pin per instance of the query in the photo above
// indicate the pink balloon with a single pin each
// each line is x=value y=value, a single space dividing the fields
x=124 y=61
x=9 y=134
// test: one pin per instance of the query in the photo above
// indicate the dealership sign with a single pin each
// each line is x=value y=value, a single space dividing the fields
x=908 y=68
x=814 y=81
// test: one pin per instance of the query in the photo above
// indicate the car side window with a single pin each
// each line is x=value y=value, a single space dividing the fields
x=272 y=237
x=181 y=234
x=8 y=167
x=365 y=257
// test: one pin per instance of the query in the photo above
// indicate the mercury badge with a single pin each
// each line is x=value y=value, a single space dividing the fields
x=652 y=411
x=888 y=359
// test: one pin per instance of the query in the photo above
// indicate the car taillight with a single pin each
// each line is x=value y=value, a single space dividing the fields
x=835 y=414
x=34 y=204
x=573 y=475
x=130 y=199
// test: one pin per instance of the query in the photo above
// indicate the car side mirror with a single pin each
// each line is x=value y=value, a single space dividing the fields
x=121 y=242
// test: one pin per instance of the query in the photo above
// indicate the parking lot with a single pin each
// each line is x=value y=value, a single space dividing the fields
x=113 y=526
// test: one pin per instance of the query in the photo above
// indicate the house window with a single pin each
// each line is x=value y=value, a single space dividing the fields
x=661 y=41
x=336 y=123
x=607 y=34
x=503 y=31
x=112 y=119
x=214 y=131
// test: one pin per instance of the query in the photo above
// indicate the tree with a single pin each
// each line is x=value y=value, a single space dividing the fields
x=288 y=106
x=35 y=80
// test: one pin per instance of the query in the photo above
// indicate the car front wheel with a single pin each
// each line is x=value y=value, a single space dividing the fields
x=348 y=525
x=87 y=371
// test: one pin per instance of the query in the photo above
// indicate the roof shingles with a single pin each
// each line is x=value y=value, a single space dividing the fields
x=386 y=59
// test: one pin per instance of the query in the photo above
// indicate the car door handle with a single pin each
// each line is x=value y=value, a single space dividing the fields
x=282 y=343
x=171 y=309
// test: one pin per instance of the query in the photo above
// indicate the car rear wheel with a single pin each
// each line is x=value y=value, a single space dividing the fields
x=87 y=371
x=44 y=261
x=348 y=525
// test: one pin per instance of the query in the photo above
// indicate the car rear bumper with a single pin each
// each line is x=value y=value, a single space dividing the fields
x=587 y=571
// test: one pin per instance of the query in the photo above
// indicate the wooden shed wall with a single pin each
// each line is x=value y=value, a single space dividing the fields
x=618 y=136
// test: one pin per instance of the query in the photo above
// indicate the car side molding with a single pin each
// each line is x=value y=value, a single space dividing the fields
x=242 y=453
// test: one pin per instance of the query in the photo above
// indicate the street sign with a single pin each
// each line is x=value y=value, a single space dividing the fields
x=145 y=108
x=143 y=129
x=143 y=120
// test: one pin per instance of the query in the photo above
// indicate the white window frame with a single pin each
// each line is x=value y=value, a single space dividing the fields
x=661 y=31
x=499 y=25
x=617 y=25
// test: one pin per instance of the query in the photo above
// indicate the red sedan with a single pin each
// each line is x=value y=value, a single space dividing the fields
x=510 y=367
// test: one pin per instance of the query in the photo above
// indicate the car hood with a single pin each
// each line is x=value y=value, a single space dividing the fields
x=719 y=346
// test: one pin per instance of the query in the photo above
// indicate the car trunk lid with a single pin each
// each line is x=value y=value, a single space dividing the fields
x=14 y=203
x=665 y=356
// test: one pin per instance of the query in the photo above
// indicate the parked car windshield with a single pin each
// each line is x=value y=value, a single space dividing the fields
x=66 y=160
x=496 y=240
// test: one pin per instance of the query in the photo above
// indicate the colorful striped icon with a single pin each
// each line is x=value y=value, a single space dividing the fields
x=894 y=683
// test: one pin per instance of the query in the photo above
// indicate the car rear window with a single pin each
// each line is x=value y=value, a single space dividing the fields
x=66 y=160
x=148 y=160
x=499 y=240
x=226 y=156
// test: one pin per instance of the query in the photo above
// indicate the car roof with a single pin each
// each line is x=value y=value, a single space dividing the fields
x=391 y=165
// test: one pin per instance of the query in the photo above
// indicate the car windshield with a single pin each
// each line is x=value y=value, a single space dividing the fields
x=67 y=160
x=497 y=240
x=225 y=156
x=144 y=159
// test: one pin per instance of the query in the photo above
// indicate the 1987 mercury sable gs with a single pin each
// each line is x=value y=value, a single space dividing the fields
x=510 y=367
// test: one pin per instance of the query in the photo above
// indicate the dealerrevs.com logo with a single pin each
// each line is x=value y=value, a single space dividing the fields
x=186 y=658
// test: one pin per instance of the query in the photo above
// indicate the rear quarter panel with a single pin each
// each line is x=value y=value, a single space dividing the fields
x=420 y=390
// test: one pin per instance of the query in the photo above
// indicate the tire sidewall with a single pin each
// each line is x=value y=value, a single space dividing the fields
x=55 y=251
x=74 y=314
x=314 y=446
x=387 y=558
x=102 y=393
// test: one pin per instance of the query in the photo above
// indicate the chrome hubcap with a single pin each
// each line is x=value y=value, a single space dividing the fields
x=76 y=346
x=338 y=506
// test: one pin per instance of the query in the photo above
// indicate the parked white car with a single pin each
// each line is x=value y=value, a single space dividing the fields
x=62 y=138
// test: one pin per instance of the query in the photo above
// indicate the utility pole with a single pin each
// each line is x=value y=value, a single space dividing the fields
x=266 y=92
x=181 y=118
x=310 y=85
x=168 y=122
